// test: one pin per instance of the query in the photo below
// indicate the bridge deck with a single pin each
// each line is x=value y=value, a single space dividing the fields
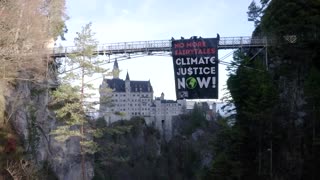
x=160 y=46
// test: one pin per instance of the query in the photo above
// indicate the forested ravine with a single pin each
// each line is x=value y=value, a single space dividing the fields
x=273 y=132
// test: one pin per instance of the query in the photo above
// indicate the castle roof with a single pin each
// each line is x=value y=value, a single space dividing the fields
x=115 y=64
x=127 y=77
x=118 y=85
x=168 y=101
x=165 y=100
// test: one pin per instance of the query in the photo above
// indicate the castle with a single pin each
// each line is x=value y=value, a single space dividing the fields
x=130 y=98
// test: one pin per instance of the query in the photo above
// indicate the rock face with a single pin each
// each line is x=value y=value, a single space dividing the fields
x=31 y=119
x=294 y=118
x=290 y=78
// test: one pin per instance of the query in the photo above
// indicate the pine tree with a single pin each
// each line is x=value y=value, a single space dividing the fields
x=72 y=99
x=255 y=11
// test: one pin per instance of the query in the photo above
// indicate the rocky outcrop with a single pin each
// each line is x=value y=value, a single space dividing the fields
x=290 y=77
x=294 y=115
x=27 y=105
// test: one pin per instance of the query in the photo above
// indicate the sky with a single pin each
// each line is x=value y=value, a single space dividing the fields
x=141 y=20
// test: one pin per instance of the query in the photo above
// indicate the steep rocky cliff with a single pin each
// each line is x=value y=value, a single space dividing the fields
x=32 y=122
x=275 y=90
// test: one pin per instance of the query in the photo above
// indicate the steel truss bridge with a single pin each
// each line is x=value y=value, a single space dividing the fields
x=160 y=47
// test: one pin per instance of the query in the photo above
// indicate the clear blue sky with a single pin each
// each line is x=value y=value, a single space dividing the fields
x=136 y=20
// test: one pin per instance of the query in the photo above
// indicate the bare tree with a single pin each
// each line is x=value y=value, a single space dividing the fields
x=26 y=29
x=22 y=169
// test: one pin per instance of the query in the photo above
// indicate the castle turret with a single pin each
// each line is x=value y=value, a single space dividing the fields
x=127 y=77
x=115 y=70
x=127 y=82
x=162 y=96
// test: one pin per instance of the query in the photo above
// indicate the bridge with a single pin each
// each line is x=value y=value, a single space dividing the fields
x=160 y=46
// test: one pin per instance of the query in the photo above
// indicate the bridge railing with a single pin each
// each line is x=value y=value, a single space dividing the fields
x=246 y=41
x=120 y=47
x=161 y=45
x=135 y=45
